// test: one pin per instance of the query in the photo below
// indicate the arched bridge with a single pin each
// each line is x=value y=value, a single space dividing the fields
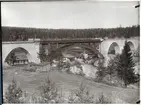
x=29 y=48
x=101 y=47
x=117 y=45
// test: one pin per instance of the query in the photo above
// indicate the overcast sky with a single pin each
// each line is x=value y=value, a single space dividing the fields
x=69 y=14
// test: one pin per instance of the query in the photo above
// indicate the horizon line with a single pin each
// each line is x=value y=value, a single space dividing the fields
x=72 y=28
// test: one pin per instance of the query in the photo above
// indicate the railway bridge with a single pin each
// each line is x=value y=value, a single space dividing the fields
x=97 y=46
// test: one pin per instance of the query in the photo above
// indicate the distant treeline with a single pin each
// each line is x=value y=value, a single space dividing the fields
x=22 y=34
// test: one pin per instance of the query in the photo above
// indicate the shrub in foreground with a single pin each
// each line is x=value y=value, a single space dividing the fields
x=13 y=93
x=82 y=95
x=49 y=93
x=102 y=100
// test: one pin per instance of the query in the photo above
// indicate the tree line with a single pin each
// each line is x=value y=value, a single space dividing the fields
x=22 y=34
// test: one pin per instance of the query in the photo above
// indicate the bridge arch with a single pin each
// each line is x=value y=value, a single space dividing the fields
x=89 y=48
x=21 y=50
x=83 y=46
x=114 y=49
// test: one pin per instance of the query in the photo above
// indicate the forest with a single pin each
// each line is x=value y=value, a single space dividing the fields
x=22 y=34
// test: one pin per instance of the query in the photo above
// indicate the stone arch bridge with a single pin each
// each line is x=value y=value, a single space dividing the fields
x=101 y=47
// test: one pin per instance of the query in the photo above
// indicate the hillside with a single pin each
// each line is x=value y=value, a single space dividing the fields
x=30 y=82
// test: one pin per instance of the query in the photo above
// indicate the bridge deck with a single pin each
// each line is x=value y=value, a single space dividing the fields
x=76 y=40
x=79 y=40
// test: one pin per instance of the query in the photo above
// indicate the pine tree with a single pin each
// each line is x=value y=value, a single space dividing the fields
x=101 y=71
x=48 y=91
x=13 y=93
x=125 y=70
x=112 y=66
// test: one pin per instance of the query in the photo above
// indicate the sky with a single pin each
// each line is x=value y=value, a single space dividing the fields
x=70 y=14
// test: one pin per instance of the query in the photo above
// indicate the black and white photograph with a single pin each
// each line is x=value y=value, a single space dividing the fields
x=71 y=52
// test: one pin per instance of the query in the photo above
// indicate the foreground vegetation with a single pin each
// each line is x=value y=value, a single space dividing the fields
x=49 y=93
x=66 y=86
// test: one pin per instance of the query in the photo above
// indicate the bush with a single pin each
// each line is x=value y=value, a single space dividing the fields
x=13 y=93
x=111 y=70
x=102 y=100
x=49 y=92
x=101 y=71
x=82 y=95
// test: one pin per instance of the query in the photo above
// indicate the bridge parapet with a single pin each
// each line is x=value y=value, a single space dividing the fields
x=63 y=40
x=18 y=42
x=75 y=40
